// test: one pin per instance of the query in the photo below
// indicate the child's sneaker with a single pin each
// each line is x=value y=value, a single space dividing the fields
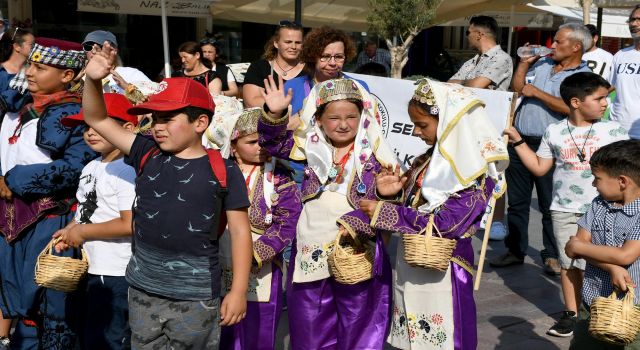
x=564 y=326
x=498 y=231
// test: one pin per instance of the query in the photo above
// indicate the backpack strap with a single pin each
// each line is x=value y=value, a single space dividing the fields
x=219 y=169
x=220 y=172
x=150 y=153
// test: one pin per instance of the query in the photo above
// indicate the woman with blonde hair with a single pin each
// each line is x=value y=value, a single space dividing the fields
x=281 y=58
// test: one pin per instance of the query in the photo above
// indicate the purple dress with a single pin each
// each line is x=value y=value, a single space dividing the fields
x=457 y=218
x=258 y=329
x=325 y=314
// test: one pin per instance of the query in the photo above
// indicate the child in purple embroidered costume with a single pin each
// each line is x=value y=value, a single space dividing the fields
x=343 y=148
x=273 y=214
x=449 y=187
x=41 y=163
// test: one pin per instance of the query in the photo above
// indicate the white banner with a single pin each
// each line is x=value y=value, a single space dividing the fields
x=394 y=95
x=176 y=8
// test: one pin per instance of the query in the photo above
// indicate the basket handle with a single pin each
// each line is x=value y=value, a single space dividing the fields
x=428 y=231
x=49 y=249
x=339 y=236
x=627 y=302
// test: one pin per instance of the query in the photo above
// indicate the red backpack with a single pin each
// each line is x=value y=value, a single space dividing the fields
x=220 y=173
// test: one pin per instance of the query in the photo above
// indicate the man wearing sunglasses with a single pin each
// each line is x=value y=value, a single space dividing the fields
x=491 y=68
x=122 y=76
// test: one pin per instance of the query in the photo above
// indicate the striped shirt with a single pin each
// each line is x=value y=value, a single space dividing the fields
x=609 y=225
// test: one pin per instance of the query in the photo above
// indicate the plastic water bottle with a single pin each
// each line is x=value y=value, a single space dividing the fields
x=526 y=51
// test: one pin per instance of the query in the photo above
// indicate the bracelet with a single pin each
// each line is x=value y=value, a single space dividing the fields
x=518 y=143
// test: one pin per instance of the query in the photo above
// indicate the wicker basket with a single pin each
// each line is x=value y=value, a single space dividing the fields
x=615 y=321
x=58 y=272
x=351 y=263
x=427 y=251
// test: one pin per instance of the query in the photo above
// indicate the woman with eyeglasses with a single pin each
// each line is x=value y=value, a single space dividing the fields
x=325 y=51
x=281 y=58
x=211 y=51
x=198 y=68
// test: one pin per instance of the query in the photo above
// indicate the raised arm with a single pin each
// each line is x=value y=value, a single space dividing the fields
x=94 y=109
x=272 y=126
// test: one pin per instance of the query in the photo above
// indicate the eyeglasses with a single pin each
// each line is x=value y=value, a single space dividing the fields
x=88 y=46
x=289 y=24
x=472 y=31
x=633 y=19
x=14 y=33
x=338 y=58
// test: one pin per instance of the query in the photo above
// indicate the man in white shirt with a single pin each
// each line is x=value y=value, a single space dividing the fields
x=626 y=81
x=598 y=60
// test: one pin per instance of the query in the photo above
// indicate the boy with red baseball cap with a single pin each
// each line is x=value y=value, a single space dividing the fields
x=174 y=272
x=102 y=226
x=41 y=162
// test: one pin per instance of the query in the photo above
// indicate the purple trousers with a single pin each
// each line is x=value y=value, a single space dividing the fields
x=257 y=331
x=328 y=315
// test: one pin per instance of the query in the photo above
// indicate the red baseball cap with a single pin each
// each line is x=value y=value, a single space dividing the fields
x=177 y=93
x=117 y=106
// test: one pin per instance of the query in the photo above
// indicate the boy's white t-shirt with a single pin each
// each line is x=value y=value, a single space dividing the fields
x=599 y=61
x=104 y=190
x=572 y=179
x=625 y=77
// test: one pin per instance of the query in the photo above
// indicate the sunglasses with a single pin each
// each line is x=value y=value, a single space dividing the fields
x=89 y=46
x=207 y=41
x=289 y=24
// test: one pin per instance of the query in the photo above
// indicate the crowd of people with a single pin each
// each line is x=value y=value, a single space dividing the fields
x=202 y=216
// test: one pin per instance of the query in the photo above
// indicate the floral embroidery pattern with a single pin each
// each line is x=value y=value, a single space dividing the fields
x=314 y=257
x=419 y=328
x=227 y=278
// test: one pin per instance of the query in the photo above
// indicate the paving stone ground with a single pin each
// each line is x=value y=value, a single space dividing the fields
x=515 y=305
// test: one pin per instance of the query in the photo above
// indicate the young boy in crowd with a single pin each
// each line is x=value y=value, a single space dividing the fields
x=609 y=235
x=569 y=145
x=174 y=272
x=103 y=227
x=41 y=162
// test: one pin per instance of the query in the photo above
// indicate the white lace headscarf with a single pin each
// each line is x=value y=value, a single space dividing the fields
x=311 y=143
x=468 y=146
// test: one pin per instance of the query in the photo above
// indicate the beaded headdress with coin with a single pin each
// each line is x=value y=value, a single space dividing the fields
x=312 y=145
x=424 y=94
x=247 y=123
x=338 y=89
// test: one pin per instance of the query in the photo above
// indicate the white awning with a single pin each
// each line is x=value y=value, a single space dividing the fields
x=614 y=20
x=350 y=15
